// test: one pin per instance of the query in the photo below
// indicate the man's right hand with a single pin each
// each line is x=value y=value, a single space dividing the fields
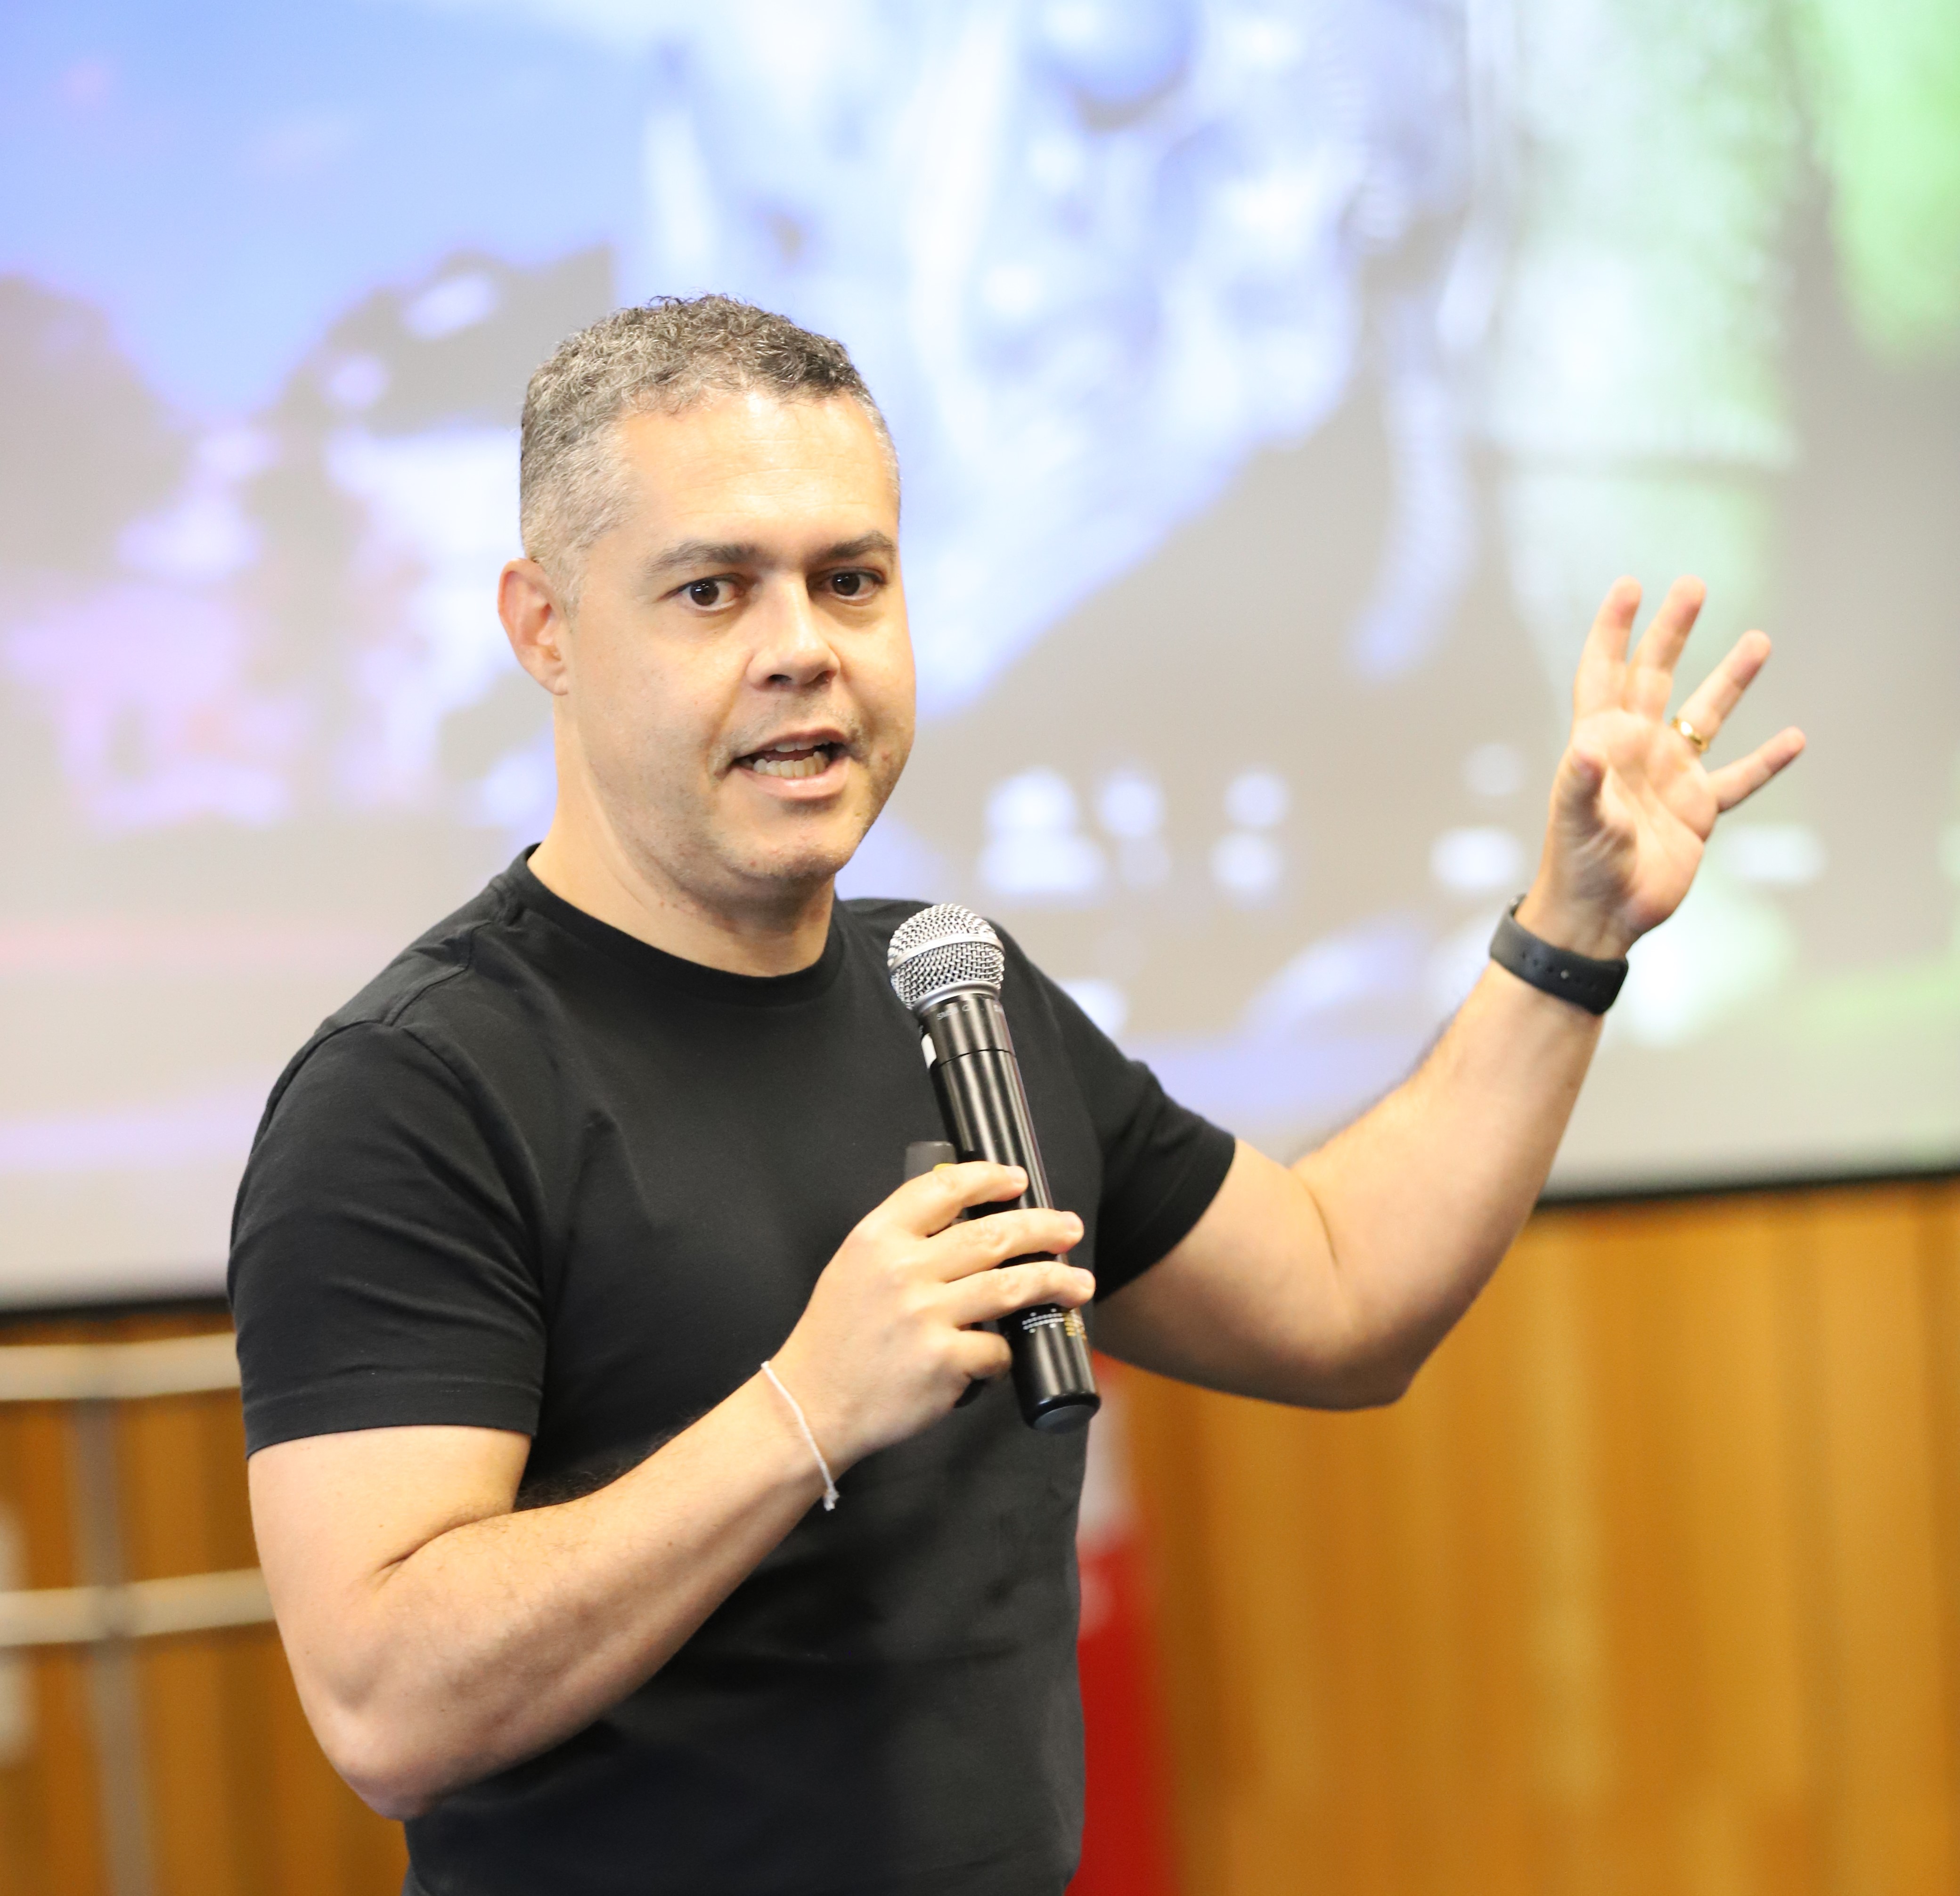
x=885 y=1345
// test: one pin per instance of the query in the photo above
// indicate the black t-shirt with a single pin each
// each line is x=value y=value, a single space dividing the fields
x=541 y=1177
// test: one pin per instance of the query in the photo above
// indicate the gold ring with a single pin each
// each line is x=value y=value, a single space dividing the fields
x=1689 y=731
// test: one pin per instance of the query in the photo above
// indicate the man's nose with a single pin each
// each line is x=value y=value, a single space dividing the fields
x=792 y=647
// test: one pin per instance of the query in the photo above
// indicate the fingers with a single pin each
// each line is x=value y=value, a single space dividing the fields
x=1602 y=664
x=983 y=1244
x=981 y=1356
x=924 y=1205
x=1649 y=680
x=1734 y=782
x=1718 y=694
x=989 y=1294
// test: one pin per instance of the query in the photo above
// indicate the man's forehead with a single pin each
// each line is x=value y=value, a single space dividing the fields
x=775 y=482
x=754 y=444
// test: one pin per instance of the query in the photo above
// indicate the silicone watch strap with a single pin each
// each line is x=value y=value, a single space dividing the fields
x=1585 y=982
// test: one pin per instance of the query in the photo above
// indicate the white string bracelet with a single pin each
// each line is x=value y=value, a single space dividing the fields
x=803 y=1423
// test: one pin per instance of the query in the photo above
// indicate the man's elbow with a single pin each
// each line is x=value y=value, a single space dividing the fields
x=390 y=1777
x=1375 y=1389
x=1369 y=1382
x=399 y=1801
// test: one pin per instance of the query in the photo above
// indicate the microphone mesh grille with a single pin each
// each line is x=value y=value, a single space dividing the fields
x=941 y=949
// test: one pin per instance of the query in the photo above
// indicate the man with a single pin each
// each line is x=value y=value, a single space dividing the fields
x=525 y=1220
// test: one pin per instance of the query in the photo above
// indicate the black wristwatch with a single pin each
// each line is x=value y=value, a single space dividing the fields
x=1581 y=979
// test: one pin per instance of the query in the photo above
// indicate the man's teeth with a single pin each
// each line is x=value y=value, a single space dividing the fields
x=800 y=762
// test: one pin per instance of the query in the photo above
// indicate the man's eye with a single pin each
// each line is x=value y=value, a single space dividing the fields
x=707 y=592
x=853 y=584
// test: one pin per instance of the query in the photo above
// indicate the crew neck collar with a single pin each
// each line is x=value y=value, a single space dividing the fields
x=676 y=971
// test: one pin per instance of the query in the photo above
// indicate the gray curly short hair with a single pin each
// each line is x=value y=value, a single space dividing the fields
x=664 y=357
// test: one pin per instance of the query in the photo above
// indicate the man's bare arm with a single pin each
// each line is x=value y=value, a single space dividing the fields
x=437 y=1636
x=1330 y=1284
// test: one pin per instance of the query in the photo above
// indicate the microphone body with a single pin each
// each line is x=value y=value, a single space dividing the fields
x=984 y=1106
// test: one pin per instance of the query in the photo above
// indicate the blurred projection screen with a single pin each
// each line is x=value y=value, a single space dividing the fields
x=1280 y=384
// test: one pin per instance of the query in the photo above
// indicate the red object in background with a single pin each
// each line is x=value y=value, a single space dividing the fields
x=1126 y=1847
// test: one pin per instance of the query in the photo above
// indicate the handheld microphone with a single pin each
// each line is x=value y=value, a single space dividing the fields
x=946 y=966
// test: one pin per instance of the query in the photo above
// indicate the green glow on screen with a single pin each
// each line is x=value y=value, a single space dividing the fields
x=1884 y=81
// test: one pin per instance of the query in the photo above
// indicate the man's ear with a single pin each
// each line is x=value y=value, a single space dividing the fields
x=535 y=622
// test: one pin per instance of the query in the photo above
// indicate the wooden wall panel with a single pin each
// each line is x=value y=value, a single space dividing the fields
x=1888 y=1665
x=240 y=1801
x=1652 y=1584
x=53 y=1826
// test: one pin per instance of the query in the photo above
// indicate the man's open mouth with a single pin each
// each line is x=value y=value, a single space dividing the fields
x=792 y=759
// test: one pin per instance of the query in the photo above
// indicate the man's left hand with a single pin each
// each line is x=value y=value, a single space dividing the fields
x=1632 y=804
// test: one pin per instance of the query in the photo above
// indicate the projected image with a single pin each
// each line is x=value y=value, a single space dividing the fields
x=1278 y=386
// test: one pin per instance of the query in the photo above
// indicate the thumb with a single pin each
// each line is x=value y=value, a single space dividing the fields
x=1575 y=792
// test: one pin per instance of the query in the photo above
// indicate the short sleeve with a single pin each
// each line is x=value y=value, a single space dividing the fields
x=383 y=1270
x=1162 y=1163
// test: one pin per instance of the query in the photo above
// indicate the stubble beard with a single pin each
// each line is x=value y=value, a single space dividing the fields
x=718 y=872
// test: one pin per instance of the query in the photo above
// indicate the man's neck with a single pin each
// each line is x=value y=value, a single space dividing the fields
x=776 y=938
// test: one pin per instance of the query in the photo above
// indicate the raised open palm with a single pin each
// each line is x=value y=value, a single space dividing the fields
x=1632 y=804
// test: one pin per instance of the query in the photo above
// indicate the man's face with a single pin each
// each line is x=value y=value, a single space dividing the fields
x=739 y=677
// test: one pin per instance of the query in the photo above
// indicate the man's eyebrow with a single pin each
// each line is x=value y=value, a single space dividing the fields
x=702 y=553
x=692 y=553
x=872 y=542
